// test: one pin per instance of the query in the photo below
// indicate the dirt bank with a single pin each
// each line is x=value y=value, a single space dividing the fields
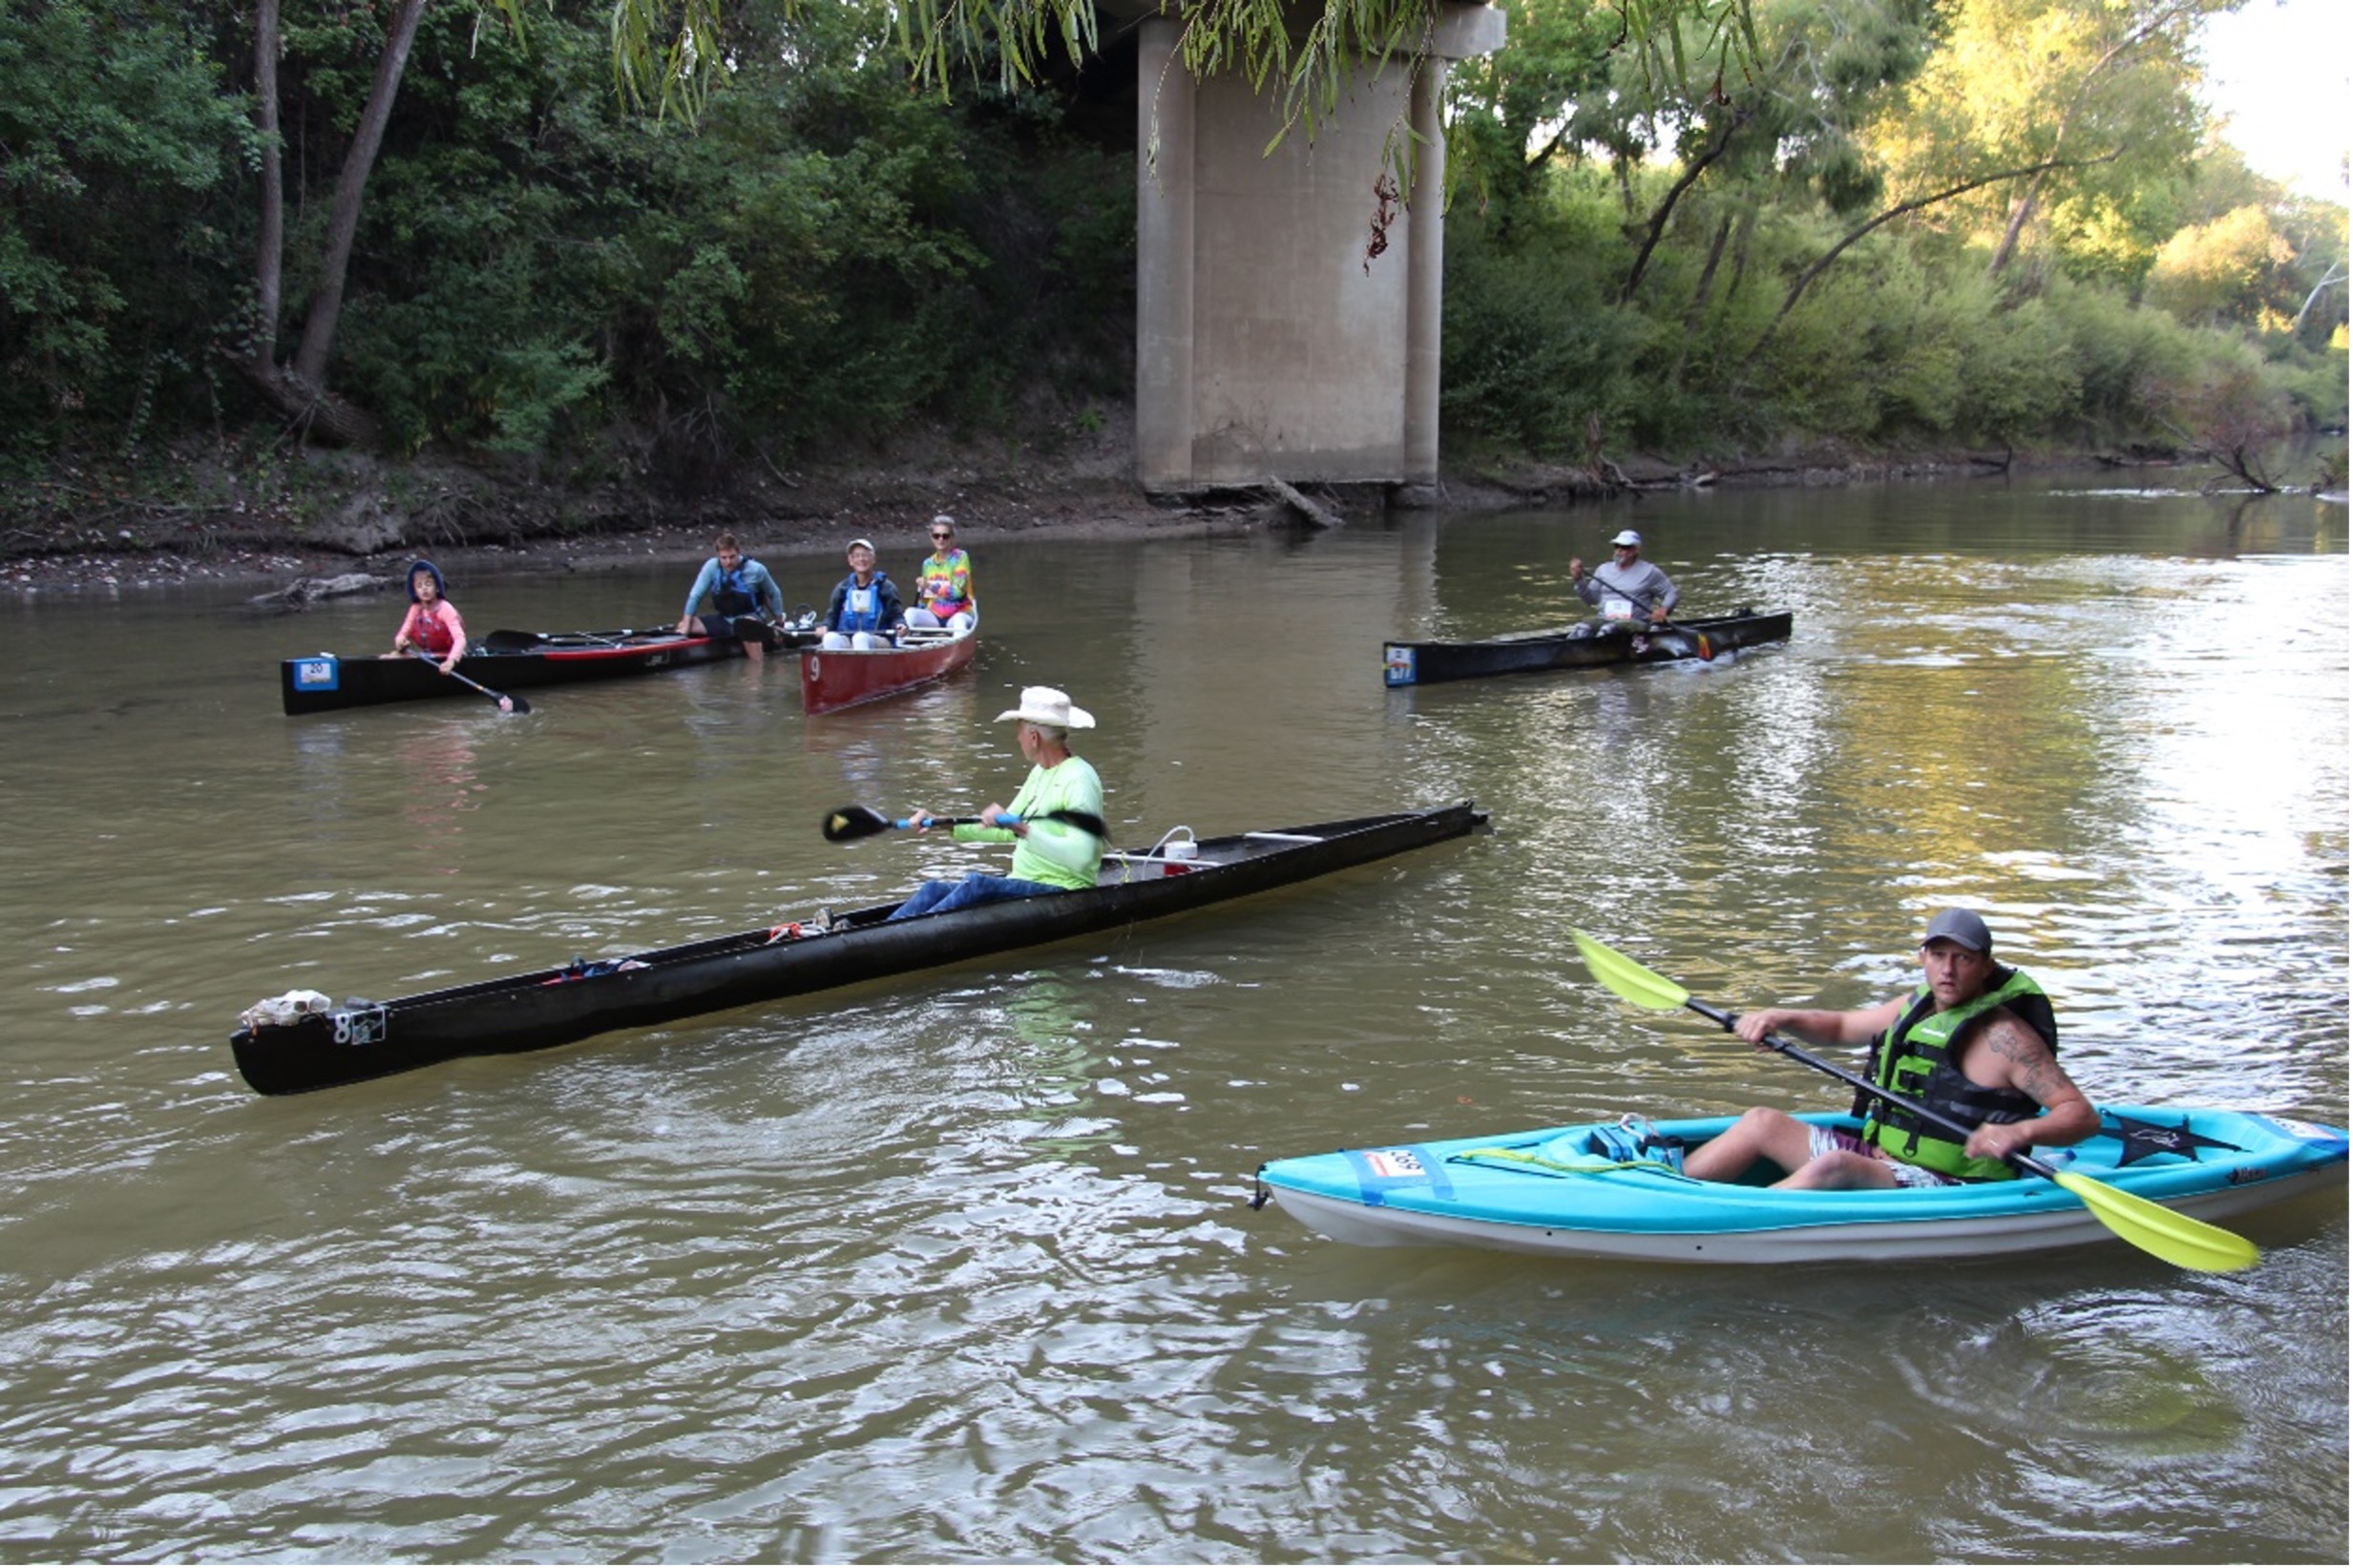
x=93 y=528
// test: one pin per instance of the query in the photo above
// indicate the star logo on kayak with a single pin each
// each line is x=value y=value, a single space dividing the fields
x=2145 y=1140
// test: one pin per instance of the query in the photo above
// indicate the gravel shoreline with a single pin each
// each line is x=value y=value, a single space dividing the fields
x=475 y=523
x=268 y=559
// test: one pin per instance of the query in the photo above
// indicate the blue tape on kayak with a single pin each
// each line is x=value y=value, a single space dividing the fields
x=1380 y=1170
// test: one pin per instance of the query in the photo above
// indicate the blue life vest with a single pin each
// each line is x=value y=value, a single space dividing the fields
x=861 y=607
x=733 y=595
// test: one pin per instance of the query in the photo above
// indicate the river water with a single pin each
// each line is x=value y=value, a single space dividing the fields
x=961 y=1268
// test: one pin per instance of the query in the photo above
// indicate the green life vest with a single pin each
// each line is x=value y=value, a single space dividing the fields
x=1916 y=1060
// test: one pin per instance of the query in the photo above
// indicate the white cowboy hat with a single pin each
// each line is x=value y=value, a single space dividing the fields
x=1044 y=705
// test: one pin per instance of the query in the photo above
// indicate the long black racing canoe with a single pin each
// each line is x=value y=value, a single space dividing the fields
x=357 y=1039
x=1577 y=648
x=504 y=661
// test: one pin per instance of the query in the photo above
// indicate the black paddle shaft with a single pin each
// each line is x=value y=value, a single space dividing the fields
x=859 y=822
x=1797 y=1053
x=513 y=704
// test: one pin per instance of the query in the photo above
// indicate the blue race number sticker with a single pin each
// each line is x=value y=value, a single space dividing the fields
x=321 y=674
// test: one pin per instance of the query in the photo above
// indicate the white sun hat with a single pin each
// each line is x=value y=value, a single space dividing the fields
x=1044 y=705
x=1627 y=536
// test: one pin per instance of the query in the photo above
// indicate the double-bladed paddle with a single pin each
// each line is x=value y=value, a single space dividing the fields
x=506 y=703
x=848 y=823
x=2153 y=1227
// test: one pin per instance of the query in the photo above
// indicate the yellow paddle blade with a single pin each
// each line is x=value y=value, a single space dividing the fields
x=1627 y=978
x=2153 y=1227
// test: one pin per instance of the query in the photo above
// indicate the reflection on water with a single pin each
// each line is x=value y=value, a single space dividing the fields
x=959 y=1267
x=439 y=786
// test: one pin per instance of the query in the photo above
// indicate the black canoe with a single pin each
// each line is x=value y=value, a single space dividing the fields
x=357 y=1040
x=503 y=662
x=1576 y=648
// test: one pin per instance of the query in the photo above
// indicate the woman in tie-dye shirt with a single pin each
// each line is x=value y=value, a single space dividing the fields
x=944 y=583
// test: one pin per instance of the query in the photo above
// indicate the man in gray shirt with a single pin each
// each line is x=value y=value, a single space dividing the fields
x=1625 y=587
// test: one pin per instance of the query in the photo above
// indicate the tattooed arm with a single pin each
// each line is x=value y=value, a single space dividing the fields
x=2008 y=1052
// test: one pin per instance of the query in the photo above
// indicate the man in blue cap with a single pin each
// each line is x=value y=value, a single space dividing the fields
x=1976 y=1041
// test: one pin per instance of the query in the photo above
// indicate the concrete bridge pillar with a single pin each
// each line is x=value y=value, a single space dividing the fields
x=1425 y=277
x=1164 y=257
x=1269 y=342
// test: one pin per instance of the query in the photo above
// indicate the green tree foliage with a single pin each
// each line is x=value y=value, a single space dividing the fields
x=1513 y=114
x=2094 y=95
x=825 y=255
x=1814 y=248
x=117 y=148
x=1307 y=57
x=1789 y=128
x=538 y=269
x=2236 y=267
x=1536 y=350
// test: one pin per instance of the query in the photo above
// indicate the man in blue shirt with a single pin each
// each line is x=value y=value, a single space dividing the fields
x=746 y=603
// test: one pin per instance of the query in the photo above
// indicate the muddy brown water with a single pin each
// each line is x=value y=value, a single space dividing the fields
x=961 y=1267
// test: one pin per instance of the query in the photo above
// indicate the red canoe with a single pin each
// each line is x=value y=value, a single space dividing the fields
x=841 y=678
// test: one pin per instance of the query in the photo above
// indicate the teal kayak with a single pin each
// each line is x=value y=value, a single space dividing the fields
x=1614 y=1189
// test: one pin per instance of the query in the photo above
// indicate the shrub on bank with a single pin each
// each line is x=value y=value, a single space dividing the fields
x=1894 y=345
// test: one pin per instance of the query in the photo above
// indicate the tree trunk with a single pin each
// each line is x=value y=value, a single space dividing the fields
x=343 y=220
x=2021 y=212
x=2333 y=277
x=1805 y=279
x=299 y=391
x=316 y=413
x=269 y=251
x=1740 y=253
x=1666 y=206
x=1697 y=310
x=1707 y=276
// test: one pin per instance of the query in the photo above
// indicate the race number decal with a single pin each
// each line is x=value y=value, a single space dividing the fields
x=360 y=1025
x=321 y=674
x=1394 y=1163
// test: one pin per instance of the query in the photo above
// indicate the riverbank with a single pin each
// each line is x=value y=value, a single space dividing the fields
x=290 y=518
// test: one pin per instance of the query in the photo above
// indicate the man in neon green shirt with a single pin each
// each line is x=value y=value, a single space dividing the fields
x=1048 y=857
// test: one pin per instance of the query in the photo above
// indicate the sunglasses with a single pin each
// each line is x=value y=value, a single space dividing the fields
x=938 y=533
